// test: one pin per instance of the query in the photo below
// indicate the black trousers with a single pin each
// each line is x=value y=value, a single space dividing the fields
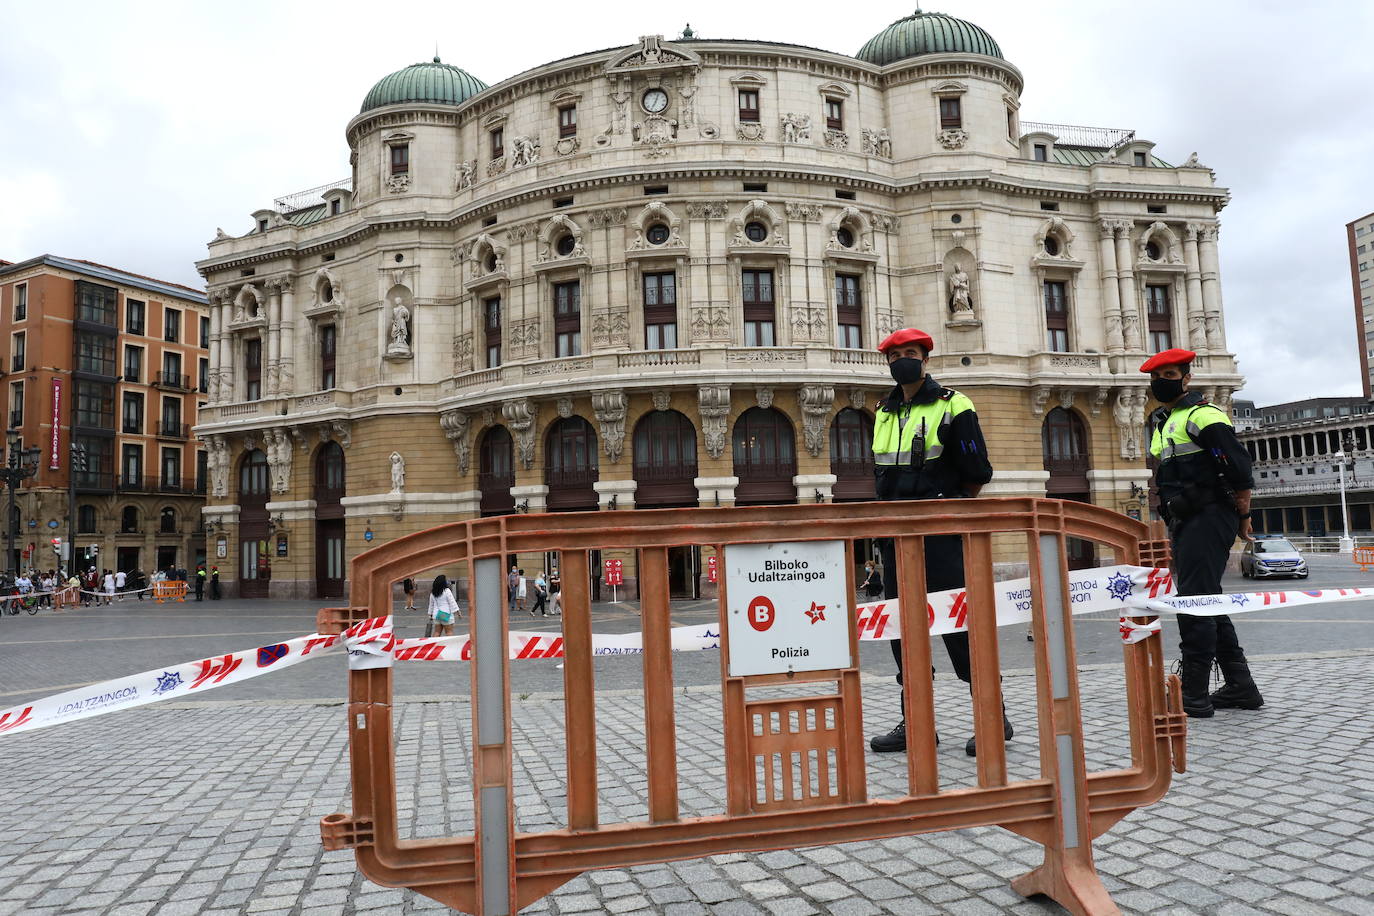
x=944 y=570
x=1201 y=546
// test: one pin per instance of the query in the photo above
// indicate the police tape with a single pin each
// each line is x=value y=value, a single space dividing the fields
x=1131 y=591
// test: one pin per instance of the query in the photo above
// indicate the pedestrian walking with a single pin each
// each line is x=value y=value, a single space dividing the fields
x=408 y=586
x=521 y=590
x=541 y=596
x=512 y=587
x=927 y=444
x=1204 y=481
x=108 y=586
x=443 y=607
x=120 y=580
x=556 y=593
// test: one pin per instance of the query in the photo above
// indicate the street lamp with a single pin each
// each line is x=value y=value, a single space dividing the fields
x=1347 y=545
x=20 y=464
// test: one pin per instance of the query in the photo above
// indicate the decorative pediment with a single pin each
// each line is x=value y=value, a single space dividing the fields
x=748 y=80
x=398 y=136
x=565 y=98
x=834 y=91
x=950 y=87
x=652 y=54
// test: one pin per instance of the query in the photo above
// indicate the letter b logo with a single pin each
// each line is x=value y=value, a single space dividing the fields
x=761 y=613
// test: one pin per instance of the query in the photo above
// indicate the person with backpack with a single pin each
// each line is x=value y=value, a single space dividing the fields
x=1204 y=481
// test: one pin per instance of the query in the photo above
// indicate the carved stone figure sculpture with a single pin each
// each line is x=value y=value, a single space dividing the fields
x=526 y=151
x=463 y=174
x=959 y=301
x=398 y=473
x=400 y=329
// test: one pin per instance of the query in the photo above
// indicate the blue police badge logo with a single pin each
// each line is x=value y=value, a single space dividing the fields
x=1119 y=586
x=167 y=681
x=1240 y=599
x=268 y=655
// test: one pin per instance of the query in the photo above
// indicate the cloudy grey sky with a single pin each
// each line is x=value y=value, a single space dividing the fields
x=134 y=129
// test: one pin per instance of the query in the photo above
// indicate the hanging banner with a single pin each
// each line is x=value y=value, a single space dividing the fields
x=55 y=451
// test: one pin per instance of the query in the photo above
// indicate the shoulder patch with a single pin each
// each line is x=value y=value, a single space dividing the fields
x=947 y=393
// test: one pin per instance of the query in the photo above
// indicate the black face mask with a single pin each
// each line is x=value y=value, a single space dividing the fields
x=1166 y=390
x=906 y=370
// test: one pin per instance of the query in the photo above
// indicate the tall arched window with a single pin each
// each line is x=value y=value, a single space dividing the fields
x=1064 y=443
x=329 y=473
x=765 y=457
x=665 y=460
x=128 y=520
x=253 y=476
x=851 y=455
x=570 y=464
x=496 y=471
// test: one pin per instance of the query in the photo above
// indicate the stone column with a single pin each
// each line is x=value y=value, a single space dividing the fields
x=286 y=365
x=1111 y=293
x=715 y=491
x=224 y=350
x=1125 y=279
x=1211 y=287
x=1197 y=326
x=622 y=491
x=216 y=331
x=273 y=348
x=814 y=488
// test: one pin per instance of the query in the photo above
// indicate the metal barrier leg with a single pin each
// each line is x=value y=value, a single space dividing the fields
x=495 y=844
x=1068 y=875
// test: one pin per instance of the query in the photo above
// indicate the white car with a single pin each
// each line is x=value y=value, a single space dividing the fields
x=1271 y=555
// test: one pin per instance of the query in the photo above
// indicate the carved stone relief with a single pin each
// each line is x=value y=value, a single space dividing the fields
x=764 y=396
x=519 y=416
x=804 y=213
x=809 y=323
x=455 y=425
x=877 y=142
x=710 y=323
x=278 y=443
x=795 y=128
x=837 y=139
x=661 y=399
x=711 y=209
x=816 y=402
x=463 y=174
x=713 y=402
x=609 y=408
x=1129 y=414
x=750 y=130
x=953 y=138
x=611 y=328
x=524 y=151
x=564 y=407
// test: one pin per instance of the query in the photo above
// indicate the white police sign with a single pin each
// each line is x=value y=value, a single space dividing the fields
x=788 y=607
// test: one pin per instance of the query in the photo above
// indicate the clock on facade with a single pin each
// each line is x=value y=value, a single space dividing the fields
x=654 y=101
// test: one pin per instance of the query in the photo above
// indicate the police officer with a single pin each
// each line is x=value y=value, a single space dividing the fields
x=1204 y=481
x=926 y=445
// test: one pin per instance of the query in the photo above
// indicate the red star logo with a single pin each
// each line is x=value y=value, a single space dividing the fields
x=817 y=613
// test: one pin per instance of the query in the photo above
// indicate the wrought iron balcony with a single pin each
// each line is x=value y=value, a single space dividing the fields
x=173 y=381
x=166 y=430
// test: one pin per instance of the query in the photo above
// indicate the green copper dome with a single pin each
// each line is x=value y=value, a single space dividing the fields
x=927 y=33
x=432 y=82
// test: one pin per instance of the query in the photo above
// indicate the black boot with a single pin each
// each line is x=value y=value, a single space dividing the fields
x=1196 y=703
x=1007 y=732
x=893 y=741
x=1239 y=691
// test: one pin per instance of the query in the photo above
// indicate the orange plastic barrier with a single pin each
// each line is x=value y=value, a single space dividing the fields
x=1363 y=557
x=772 y=799
x=169 y=590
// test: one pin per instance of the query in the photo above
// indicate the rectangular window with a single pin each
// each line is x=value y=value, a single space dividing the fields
x=1139 y=160
x=133 y=364
x=400 y=159
x=252 y=369
x=660 y=311
x=758 y=308
x=335 y=206
x=131 y=468
x=17 y=352
x=1041 y=152
x=749 y=105
x=171 y=416
x=134 y=314
x=567 y=318
x=204 y=331
x=95 y=404
x=95 y=353
x=95 y=304
x=1161 y=318
x=951 y=114
x=171 y=325
x=171 y=371
x=834 y=114
x=329 y=345
x=171 y=468
x=16 y=405
x=498 y=143
x=1056 y=316
x=567 y=121
x=133 y=412
x=202 y=470
x=94 y=462
x=203 y=379
x=491 y=326
x=1011 y=125
x=848 y=311
x=21 y=302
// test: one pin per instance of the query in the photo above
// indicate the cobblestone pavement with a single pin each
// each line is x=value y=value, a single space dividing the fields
x=213 y=807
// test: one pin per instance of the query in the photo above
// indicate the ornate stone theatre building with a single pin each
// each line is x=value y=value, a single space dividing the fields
x=654 y=276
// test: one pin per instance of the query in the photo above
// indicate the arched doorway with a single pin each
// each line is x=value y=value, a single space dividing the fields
x=1064 y=445
x=570 y=466
x=665 y=468
x=851 y=461
x=765 y=453
x=255 y=564
x=496 y=472
x=329 y=521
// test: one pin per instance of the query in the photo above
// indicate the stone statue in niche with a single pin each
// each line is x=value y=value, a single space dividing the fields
x=400 y=329
x=398 y=473
x=960 y=302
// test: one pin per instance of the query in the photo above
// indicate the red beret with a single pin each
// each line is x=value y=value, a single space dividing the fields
x=1174 y=357
x=907 y=336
